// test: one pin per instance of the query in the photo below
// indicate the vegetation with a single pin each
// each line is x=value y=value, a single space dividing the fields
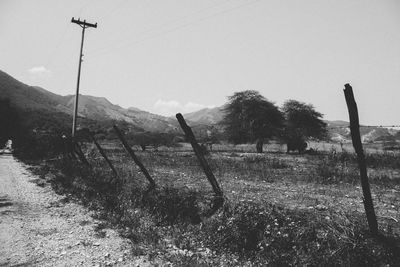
x=145 y=139
x=302 y=122
x=280 y=209
x=8 y=121
x=250 y=117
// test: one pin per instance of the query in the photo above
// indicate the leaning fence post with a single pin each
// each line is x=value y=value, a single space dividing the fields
x=103 y=154
x=135 y=159
x=356 y=139
x=198 y=151
x=79 y=152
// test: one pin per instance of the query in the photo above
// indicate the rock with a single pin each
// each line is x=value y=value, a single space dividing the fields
x=321 y=207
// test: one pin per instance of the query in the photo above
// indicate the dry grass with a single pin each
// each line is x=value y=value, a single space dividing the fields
x=281 y=209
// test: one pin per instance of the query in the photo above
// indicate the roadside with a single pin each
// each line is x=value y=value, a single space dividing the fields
x=40 y=228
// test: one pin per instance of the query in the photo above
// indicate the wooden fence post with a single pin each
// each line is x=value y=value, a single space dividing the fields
x=77 y=149
x=356 y=139
x=68 y=148
x=103 y=154
x=135 y=159
x=199 y=153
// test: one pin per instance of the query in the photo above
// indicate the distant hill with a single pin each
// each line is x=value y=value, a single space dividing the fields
x=98 y=109
x=206 y=116
x=31 y=98
x=24 y=96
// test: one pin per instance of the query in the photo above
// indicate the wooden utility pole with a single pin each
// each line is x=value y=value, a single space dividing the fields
x=356 y=139
x=83 y=25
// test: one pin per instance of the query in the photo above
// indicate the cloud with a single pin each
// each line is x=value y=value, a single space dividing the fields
x=194 y=106
x=39 y=70
x=171 y=107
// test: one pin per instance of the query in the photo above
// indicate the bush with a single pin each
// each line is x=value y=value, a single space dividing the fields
x=39 y=145
x=171 y=205
x=337 y=167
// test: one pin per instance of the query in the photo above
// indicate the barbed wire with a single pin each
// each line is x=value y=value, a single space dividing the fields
x=329 y=127
x=365 y=126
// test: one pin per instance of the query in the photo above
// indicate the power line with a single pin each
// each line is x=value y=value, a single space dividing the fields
x=58 y=44
x=199 y=11
x=112 y=12
x=129 y=43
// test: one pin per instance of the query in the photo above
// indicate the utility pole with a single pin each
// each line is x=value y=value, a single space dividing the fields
x=84 y=25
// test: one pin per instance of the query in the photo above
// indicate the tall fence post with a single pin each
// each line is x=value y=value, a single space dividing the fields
x=103 y=154
x=356 y=139
x=199 y=153
x=135 y=159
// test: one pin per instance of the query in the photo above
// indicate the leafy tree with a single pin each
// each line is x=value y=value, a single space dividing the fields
x=302 y=123
x=250 y=117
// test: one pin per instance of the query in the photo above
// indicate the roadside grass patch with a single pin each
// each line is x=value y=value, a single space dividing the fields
x=171 y=221
x=273 y=235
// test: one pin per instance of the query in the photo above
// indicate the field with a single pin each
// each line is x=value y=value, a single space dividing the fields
x=279 y=209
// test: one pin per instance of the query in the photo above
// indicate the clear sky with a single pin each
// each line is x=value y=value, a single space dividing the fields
x=181 y=55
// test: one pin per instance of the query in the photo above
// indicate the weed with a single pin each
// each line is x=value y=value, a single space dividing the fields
x=247 y=231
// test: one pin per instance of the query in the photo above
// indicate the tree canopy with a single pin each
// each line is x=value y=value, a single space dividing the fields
x=303 y=121
x=250 y=117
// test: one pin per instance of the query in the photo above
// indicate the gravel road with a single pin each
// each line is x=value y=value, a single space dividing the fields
x=41 y=228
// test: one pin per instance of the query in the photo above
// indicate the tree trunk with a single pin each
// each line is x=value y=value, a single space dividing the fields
x=259 y=145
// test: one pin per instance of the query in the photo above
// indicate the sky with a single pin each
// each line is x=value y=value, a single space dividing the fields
x=168 y=56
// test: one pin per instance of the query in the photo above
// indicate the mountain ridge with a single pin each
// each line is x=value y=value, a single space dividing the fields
x=98 y=108
x=26 y=97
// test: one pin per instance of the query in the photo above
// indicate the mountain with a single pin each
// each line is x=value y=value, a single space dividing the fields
x=24 y=96
x=46 y=106
x=99 y=108
x=206 y=116
x=32 y=98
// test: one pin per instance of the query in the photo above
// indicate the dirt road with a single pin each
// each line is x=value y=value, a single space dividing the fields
x=41 y=228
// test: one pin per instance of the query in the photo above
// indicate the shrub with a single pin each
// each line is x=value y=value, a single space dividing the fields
x=337 y=167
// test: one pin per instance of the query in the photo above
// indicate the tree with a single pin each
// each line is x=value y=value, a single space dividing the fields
x=302 y=123
x=250 y=117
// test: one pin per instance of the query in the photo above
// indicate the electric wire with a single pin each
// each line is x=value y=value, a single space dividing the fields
x=186 y=25
x=163 y=25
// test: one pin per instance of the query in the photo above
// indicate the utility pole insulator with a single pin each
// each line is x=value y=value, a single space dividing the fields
x=84 y=25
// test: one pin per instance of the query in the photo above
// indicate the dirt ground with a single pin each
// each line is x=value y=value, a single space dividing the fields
x=40 y=228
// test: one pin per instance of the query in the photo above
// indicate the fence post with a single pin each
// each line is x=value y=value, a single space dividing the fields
x=68 y=148
x=103 y=154
x=77 y=149
x=198 y=151
x=135 y=159
x=356 y=139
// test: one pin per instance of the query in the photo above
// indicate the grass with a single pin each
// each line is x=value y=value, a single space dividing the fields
x=280 y=209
